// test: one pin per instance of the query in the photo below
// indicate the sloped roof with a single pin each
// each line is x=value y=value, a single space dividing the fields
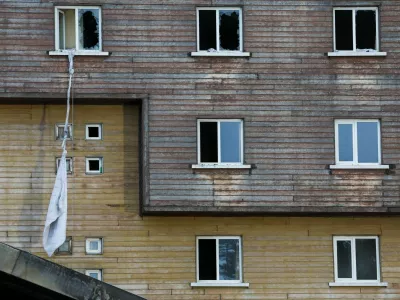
x=26 y=276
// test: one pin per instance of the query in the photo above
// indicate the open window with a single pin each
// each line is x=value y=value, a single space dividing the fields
x=79 y=28
x=219 y=31
x=358 y=144
x=356 y=31
x=94 y=131
x=220 y=143
x=60 y=132
x=94 y=165
x=219 y=261
x=69 y=162
x=356 y=261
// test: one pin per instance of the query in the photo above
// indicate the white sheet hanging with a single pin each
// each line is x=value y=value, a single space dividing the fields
x=56 y=221
x=55 y=228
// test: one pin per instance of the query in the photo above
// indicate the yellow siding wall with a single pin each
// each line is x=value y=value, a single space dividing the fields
x=284 y=257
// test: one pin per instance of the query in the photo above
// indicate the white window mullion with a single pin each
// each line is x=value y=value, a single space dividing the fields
x=378 y=268
x=77 y=46
x=219 y=141
x=241 y=31
x=355 y=143
x=241 y=143
x=198 y=29
x=57 y=29
x=217 y=254
x=217 y=24
x=353 y=259
x=354 y=31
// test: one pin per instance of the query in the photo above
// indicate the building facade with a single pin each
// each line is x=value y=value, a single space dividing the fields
x=218 y=149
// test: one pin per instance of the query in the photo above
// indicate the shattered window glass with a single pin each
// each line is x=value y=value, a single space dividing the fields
x=366 y=29
x=229 y=30
x=88 y=22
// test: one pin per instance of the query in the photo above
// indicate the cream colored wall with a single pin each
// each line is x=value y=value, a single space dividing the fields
x=70 y=28
x=283 y=257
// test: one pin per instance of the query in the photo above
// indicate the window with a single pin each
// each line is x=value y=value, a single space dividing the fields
x=220 y=142
x=94 y=165
x=219 y=260
x=69 y=162
x=66 y=247
x=96 y=274
x=93 y=132
x=219 y=31
x=358 y=143
x=94 y=245
x=78 y=28
x=356 y=260
x=356 y=30
x=59 y=131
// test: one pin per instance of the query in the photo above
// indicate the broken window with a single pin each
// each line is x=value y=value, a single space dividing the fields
x=219 y=259
x=219 y=29
x=69 y=164
x=78 y=28
x=356 y=29
x=356 y=259
x=60 y=131
x=93 y=131
x=94 y=165
x=220 y=141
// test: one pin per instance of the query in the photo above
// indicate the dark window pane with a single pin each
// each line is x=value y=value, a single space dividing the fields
x=344 y=259
x=207 y=259
x=345 y=142
x=367 y=138
x=366 y=29
x=366 y=259
x=229 y=30
x=61 y=30
x=207 y=29
x=208 y=142
x=344 y=29
x=93 y=132
x=230 y=142
x=229 y=266
x=94 y=165
x=89 y=29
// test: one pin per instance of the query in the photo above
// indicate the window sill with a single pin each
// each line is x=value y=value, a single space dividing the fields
x=355 y=53
x=79 y=53
x=217 y=284
x=227 y=54
x=376 y=284
x=201 y=166
x=355 y=167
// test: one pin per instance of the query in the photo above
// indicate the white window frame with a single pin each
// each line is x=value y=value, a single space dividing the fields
x=99 y=126
x=71 y=164
x=100 y=159
x=99 y=273
x=78 y=51
x=355 y=163
x=235 y=283
x=99 y=242
x=58 y=31
x=219 y=163
x=354 y=281
x=355 y=51
x=218 y=51
x=61 y=125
